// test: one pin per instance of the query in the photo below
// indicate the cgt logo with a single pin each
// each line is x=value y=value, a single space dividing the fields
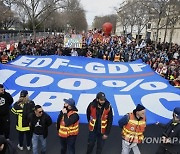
x=2 y=101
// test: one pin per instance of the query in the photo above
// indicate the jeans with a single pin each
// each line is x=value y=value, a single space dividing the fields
x=35 y=139
x=28 y=138
x=93 y=136
x=68 y=145
x=126 y=147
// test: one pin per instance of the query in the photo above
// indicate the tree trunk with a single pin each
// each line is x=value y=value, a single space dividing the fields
x=171 y=35
x=124 y=30
x=157 y=33
x=34 y=28
x=138 y=36
x=165 y=34
x=131 y=29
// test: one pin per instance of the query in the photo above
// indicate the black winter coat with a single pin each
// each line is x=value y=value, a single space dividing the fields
x=172 y=130
x=46 y=122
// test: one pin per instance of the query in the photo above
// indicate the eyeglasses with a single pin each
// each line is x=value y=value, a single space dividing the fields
x=40 y=112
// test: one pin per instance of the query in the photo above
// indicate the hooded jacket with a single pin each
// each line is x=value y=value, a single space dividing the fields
x=6 y=101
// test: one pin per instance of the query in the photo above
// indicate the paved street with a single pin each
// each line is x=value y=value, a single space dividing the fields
x=112 y=146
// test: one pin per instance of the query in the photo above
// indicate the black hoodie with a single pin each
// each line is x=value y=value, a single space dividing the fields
x=5 y=102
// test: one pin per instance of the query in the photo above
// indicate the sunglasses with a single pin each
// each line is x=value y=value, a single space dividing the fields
x=40 y=112
x=176 y=115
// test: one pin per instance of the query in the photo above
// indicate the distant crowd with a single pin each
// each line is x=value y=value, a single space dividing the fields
x=164 y=59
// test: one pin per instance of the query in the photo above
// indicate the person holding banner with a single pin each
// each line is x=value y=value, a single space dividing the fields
x=171 y=136
x=68 y=126
x=133 y=126
x=22 y=109
x=100 y=117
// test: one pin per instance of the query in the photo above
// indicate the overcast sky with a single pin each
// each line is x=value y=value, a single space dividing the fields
x=99 y=8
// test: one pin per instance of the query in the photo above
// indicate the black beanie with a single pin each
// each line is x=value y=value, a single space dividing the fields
x=1 y=86
x=139 y=107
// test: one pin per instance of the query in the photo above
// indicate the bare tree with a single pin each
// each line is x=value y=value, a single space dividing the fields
x=122 y=18
x=99 y=21
x=142 y=17
x=54 y=22
x=35 y=8
x=7 y=17
x=130 y=15
x=75 y=15
x=174 y=13
x=158 y=11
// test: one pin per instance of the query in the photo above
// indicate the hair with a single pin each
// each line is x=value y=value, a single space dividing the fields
x=37 y=107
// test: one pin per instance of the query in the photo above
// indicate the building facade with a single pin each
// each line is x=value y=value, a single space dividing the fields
x=169 y=33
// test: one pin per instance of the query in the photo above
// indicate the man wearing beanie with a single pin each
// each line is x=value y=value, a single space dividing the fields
x=171 y=135
x=133 y=126
x=100 y=117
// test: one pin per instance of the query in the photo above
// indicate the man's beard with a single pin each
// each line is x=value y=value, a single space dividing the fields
x=100 y=104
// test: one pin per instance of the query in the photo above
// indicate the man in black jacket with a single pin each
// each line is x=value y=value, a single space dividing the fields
x=100 y=117
x=171 y=136
x=6 y=146
x=5 y=103
x=39 y=123
x=68 y=126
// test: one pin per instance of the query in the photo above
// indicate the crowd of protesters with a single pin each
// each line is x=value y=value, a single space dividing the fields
x=164 y=59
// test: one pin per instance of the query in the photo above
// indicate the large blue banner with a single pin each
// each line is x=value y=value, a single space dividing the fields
x=51 y=79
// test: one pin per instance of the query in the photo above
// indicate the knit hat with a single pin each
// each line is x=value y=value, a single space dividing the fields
x=139 y=107
x=70 y=102
x=1 y=86
x=37 y=107
x=101 y=96
x=177 y=112
x=23 y=93
x=2 y=139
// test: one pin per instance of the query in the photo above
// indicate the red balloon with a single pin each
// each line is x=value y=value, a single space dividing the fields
x=107 y=28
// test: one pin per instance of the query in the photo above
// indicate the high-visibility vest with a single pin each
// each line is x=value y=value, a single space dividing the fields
x=19 y=112
x=117 y=58
x=4 y=59
x=171 y=77
x=70 y=130
x=133 y=130
x=104 y=116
